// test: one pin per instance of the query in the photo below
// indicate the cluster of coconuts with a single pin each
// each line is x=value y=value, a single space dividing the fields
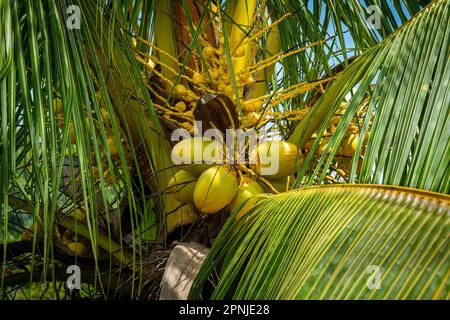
x=345 y=152
x=212 y=187
x=347 y=147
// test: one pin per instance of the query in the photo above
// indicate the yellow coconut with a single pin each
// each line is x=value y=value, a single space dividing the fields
x=275 y=159
x=28 y=233
x=221 y=87
x=228 y=91
x=245 y=193
x=348 y=145
x=214 y=73
x=252 y=119
x=66 y=238
x=79 y=214
x=309 y=144
x=345 y=163
x=78 y=248
x=72 y=135
x=182 y=186
x=258 y=104
x=208 y=52
x=107 y=176
x=105 y=114
x=215 y=189
x=323 y=146
x=249 y=80
x=88 y=125
x=195 y=154
x=184 y=215
x=57 y=105
x=112 y=147
x=366 y=138
x=353 y=128
x=99 y=95
x=190 y=96
x=252 y=105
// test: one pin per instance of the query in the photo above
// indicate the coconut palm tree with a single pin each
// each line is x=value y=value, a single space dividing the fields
x=92 y=92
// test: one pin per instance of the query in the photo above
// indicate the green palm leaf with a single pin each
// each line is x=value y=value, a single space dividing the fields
x=335 y=242
x=50 y=163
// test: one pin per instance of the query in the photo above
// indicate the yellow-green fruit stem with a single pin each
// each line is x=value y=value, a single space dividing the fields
x=262 y=77
x=243 y=14
x=103 y=241
x=165 y=38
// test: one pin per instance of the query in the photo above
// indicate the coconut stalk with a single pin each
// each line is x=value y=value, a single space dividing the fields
x=243 y=16
x=164 y=36
x=264 y=76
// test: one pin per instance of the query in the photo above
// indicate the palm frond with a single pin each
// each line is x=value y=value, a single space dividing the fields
x=335 y=242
